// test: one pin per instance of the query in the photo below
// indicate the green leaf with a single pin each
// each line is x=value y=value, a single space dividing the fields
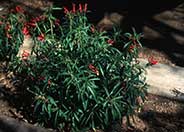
x=92 y=92
x=128 y=35
x=118 y=113
x=76 y=117
x=126 y=45
x=52 y=101
x=85 y=104
x=49 y=111
x=56 y=118
x=115 y=88
x=101 y=70
x=38 y=103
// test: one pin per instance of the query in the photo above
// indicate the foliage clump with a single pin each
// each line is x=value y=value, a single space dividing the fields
x=77 y=78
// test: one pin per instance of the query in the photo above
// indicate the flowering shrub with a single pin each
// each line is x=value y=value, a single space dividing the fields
x=77 y=79
x=11 y=33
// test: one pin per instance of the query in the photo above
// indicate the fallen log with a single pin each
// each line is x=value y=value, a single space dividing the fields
x=165 y=80
x=8 y=124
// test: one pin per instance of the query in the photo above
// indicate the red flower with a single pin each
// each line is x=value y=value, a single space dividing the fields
x=42 y=17
x=32 y=78
x=41 y=78
x=110 y=41
x=85 y=7
x=8 y=27
x=73 y=8
x=8 y=35
x=32 y=24
x=57 y=22
x=36 y=19
x=152 y=61
x=134 y=41
x=80 y=7
x=25 y=31
x=131 y=48
x=19 y=9
x=25 y=55
x=49 y=82
x=33 y=21
x=66 y=11
x=93 y=69
x=123 y=85
x=1 y=23
x=41 y=37
x=92 y=28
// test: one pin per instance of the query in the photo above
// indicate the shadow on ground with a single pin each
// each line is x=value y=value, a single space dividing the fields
x=140 y=14
x=163 y=115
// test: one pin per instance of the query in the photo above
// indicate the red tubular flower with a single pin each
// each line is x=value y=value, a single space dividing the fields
x=152 y=61
x=19 y=9
x=85 y=7
x=134 y=41
x=66 y=11
x=91 y=66
x=92 y=28
x=32 y=24
x=8 y=35
x=41 y=78
x=25 y=31
x=8 y=27
x=93 y=69
x=41 y=37
x=32 y=78
x=57 y=22
x=42 y=17
x=123 y=85
x=110 y=41
x=131 y=48
x=80 y=7
x=49 y=82
x=37 y=19
x=73 y=8
x=25 y=55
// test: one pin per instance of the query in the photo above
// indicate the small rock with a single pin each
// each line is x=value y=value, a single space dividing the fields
x=1 y=8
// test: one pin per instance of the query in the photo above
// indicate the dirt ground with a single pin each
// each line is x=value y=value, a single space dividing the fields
x=159 y=114
x=163 y=115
